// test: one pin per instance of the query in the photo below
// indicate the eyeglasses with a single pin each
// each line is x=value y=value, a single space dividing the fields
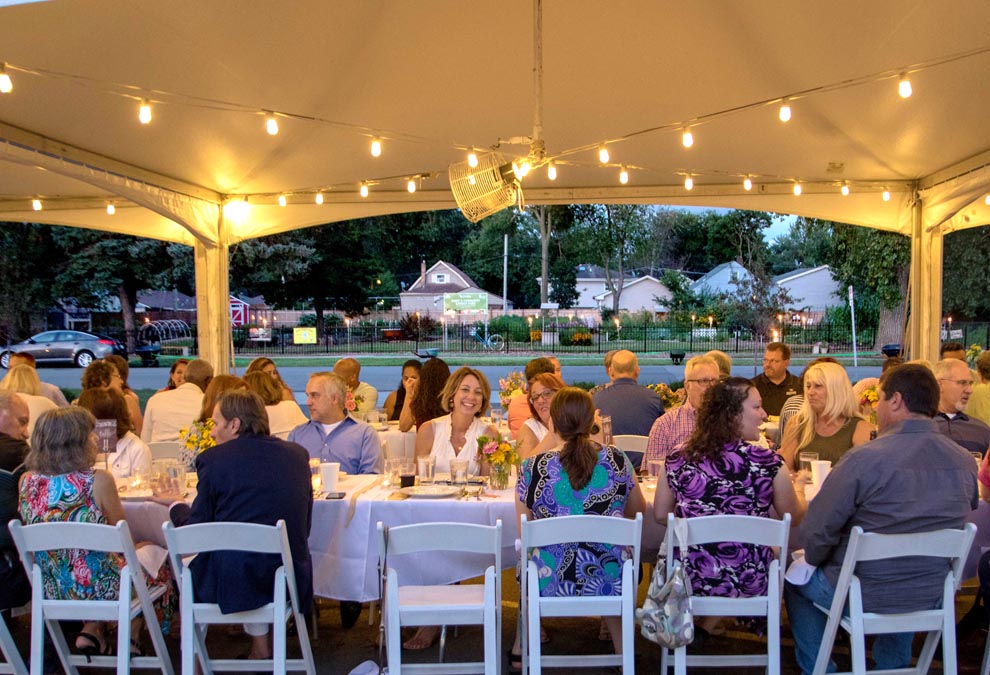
x=961 y=383
x=545 y=395
x=706 y=382
x=773 y=360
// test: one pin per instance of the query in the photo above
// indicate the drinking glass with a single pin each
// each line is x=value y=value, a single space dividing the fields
x=314 y=473
x=407 y=474
x=458 y=471
x=391 y=476
x=496 y=417
x=805 y=459
x=427 y=466
x=607 y=429
x=653 y=470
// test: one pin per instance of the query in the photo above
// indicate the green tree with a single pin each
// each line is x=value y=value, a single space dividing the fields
x=965 y=261
x=611 y=233
x=806 y=244
x=26 y=275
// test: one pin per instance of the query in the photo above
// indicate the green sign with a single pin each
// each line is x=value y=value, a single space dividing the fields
x=466 y=301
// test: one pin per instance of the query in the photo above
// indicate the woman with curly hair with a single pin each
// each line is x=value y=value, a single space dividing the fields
x=425 y=394
x=266 y=365
x=721 y=471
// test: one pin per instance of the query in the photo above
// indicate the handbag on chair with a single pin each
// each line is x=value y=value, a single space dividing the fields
x=665 y=617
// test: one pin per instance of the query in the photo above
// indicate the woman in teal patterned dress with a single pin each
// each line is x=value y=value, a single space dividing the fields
x=581 y=477
x=62 y=485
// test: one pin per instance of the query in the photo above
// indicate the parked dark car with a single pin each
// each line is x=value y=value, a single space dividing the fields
x=65 y=346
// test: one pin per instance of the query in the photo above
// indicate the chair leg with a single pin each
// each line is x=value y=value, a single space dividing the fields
x=985 y=667
x=61 y=647
x=928 y=651
x=680 y=661
x=9 y=649
x=857 y=649
x=443 y=642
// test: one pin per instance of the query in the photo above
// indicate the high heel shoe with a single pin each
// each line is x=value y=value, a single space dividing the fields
x=92 y=646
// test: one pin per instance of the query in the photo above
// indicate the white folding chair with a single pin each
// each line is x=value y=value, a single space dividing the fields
x=444 y=605
x=611 y=530
x=633 y=445
x=47 y=612
x=14 y=664
x=744 y=530
x=953 y=545
x=190 y=540
x=165 y=449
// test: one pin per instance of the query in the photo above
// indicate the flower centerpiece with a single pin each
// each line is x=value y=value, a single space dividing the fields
x=868 y=402
x=972 y=353
x=500 y=454
x=670 y=398
x=352 y=401
x=514 y=384
x=195 y=440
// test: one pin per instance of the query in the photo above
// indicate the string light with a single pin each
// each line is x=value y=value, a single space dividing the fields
x=364 y=189
x=904 y=86
x=144 y=112
x=986 y=200
x=603 y=154
x=36 y=204
x=623 y=175
x=785 y=110
x=111 y=209
x=472 y=159
x=318 y=199
x=6 y=85
x=689 y=183
x=886 y=195
x=521 y=168
x=797 y=190
x=844 y=189
x=687 y=138
x=271 y=124
x=552 y=171
x=376 y=147
x=281 y=200
x=747 y=184
x=411 y=185
x=237 y=210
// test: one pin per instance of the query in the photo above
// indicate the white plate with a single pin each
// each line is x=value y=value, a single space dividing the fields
x=430 y=491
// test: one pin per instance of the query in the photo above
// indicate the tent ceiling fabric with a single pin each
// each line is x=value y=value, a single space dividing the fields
x=436 y=78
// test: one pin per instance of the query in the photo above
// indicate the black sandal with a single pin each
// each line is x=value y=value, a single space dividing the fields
x=515 y=661
x=94 y=646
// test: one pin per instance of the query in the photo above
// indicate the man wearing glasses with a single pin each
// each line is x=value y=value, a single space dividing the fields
x=955 y=383
x=676 y=426
x=776 y=384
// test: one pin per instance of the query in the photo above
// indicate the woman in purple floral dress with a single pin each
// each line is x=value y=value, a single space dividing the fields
x=581 y=477
x=720 y=471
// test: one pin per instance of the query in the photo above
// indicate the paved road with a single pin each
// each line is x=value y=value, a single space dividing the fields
x=386 y=378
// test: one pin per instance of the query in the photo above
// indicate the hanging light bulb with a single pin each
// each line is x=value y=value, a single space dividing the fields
x=886 y=195
x=364 y=189
x=689 y=183
x=687 y=138
x=521 y=168
x=36 y=204
x=747 y=184
x=411 y=185
x=144 y=112
x=111 y=209
x=785 y=110
x=318 y=199
x=376 y=147
x=271 y=124
x=844 y=189
x=797 y=190
x=552 y=171
x=6 y=86
x=623 y=175
x=986 y=200
x=904 y=86
x=472 y=158
x=281 y=200
x=237 y=210
x=603 y=154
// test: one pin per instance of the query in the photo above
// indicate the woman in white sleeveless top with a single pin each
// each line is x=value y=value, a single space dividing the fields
x=455 y=436
x=534 y=435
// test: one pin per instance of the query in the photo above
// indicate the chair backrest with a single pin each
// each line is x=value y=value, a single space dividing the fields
x=612 y=530
x=165 y=449
x=630 y=442
x=461 y=537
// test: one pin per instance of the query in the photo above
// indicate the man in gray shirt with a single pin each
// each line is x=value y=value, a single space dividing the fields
x=910 y=479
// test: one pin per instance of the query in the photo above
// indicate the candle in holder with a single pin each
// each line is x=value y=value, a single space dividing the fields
x=314 y=472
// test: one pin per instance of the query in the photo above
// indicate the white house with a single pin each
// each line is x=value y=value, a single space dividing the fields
x=811 y=289
x=721 y=279
x=639 y=294
x=426 y=293
x=590 y=285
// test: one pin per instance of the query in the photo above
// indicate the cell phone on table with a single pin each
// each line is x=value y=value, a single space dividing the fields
x=334 y=495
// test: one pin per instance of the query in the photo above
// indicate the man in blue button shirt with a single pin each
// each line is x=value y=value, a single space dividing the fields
x=331 y=435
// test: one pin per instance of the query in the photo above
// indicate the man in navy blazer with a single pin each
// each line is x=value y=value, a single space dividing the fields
x=250 y=477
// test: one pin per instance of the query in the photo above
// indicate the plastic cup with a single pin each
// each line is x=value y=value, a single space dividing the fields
x=329 y=473
x=426 y=468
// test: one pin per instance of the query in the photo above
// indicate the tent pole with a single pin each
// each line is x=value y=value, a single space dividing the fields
x=213 y=301
x=926 y=287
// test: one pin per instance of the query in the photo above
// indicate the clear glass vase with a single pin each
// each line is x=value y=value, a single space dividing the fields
x=498 y=479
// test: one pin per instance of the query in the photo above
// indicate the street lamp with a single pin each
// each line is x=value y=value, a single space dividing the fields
x=347 y=323
x=418 y=327
x=691 y=335
x=529 y=320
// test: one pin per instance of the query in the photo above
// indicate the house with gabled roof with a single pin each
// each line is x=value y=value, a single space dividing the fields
x=426 y=293
x=811 y=288
x=643 y=293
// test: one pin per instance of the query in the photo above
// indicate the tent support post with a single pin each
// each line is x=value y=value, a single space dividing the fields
x=926 y=288
x=213 y=302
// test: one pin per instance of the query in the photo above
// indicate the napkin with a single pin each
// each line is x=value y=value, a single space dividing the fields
x=799 y=571
x=151 y=558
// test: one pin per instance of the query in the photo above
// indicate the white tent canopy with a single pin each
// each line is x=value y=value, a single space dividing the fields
x=435 y=79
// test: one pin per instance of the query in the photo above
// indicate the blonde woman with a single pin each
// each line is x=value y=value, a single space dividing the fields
x=829 y=421
x=23 y=380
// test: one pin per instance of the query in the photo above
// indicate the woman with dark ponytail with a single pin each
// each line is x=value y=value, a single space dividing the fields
x=580 y=477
